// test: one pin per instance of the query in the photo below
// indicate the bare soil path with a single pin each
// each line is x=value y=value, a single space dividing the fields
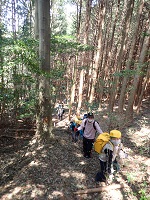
x=57 y=170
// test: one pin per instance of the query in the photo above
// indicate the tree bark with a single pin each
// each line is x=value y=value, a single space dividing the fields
x=146 y=43
x=84 y=60
x=73 y=83
x=146 y=80
x=98 y=53
x=120 y=53
x=79 y=14
x=44 y=115
x=131 y=52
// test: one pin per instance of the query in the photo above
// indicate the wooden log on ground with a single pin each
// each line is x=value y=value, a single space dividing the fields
x=15 y=137
x=18 y=129
x=101 y=189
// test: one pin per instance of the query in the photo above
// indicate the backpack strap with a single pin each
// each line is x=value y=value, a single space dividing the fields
x=111 y=144
x=93 y=125
x=84 y=124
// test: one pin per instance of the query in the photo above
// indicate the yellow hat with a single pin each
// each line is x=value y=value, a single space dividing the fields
x=115 y=133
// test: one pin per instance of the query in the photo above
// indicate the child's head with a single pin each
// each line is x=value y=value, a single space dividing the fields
x=115 y=137
x=90 y=117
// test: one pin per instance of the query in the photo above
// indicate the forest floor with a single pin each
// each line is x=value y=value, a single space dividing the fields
x=30 y=170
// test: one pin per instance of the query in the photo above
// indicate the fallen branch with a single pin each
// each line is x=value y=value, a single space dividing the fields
x=103 y=188
x=17 y=129
x=15 y=137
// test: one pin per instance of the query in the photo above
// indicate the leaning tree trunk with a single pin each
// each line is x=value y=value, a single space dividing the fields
x=120 y=53
x=131 y=52
x=145 y=84
x=44 y=115
x=143 y=54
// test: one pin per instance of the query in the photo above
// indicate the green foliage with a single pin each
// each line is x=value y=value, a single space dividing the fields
x=27 y=108
x=145 y=34
x=21 y=66
x=130 y=177
x=67 y=44
x=6 y=95
x=125 y=73
x=143 y=192
x=90 y=107
x=141 y=69
x=19 y=62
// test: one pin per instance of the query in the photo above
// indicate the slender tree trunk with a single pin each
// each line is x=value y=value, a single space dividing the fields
x=15 y=71
x=73 y=85
x=36 y=24
x=146 y=43
x=2 y=103
x=79 y=14
x=97 y=56
x=125 y=78
x=114 y=25
x=84 y=60
x=120 y=53
x=14 y=18
x=146 y=80
x=104 y=69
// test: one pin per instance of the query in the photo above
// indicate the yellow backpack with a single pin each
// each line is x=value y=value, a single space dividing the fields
x=100 y=142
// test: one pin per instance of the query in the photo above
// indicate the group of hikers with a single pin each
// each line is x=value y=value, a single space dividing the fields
x=108 y=145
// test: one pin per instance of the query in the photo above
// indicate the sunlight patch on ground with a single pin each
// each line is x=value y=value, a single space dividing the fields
x=143 y=132
x=78 y=175
x=65 y=174
x=147 y=162
x=32 y=141
x=141 y=138
x=115 y=195
x=82 y=163
x=40 y=147
x=15 y=191
x=73 y=174
x=55 y=194
x=61 y=123
x=34 y=163
x=36 y=192
x=79 y=155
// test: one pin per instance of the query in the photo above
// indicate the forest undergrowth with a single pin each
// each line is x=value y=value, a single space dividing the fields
x=31 y=170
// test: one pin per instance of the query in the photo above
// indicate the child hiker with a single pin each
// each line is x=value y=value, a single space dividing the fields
x=89 y=127
x=60 y=111
x=77 y=120
x=108 y=155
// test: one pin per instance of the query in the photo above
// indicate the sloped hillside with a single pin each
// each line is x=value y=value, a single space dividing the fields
x=56 y=170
